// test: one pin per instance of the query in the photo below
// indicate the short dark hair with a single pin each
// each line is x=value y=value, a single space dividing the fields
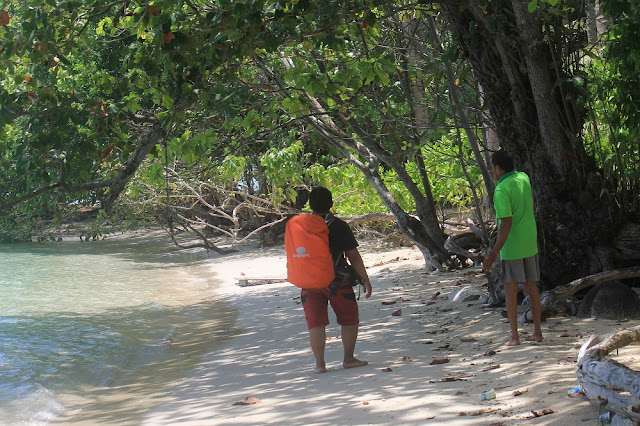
x=502 y=159
x=320 y=200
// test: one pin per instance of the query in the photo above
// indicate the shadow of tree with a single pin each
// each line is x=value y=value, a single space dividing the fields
x=194 y=373
x=271 y=361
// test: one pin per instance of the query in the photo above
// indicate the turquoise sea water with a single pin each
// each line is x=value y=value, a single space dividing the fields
x=102 y=332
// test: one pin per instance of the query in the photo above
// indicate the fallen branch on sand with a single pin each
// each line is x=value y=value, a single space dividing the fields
x=549 y=298
x=245 y=281
x=607 y=383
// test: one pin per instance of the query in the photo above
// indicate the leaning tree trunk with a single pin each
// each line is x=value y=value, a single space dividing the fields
x=434 y=252
x=425 y=232
x=153 y=136
x=541 y=133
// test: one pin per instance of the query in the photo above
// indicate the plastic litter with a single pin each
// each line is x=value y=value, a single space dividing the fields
x=575 y=391
x=605 y=418
x=490 y=394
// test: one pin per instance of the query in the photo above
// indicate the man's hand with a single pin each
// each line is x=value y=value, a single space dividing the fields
x=503 y=234
x=367 y=290
x=356 y=261
x=488 y=261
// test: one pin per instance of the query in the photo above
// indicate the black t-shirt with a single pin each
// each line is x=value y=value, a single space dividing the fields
x=341 y=237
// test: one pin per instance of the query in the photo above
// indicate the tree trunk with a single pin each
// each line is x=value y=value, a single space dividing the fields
x=434 y=253
x=419 y=115
x=574 y=221
x=366 y=156
x=154 y=135
x=458 y=106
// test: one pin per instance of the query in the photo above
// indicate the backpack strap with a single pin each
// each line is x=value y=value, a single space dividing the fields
x=330 y=219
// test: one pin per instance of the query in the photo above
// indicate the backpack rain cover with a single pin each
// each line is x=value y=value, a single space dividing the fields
x=309 y=261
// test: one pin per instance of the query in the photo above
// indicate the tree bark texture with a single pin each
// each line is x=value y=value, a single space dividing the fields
x=512 y=62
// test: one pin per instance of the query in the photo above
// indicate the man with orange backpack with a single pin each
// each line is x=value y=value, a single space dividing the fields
x=318 y=246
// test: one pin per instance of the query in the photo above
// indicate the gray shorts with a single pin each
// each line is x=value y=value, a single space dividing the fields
x=525 y=270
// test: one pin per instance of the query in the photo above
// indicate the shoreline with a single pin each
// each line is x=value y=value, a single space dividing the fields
x=88 y=328
x=429 y=362
x=428 y=365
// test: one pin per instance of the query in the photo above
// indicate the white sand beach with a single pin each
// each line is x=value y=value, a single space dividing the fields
x=427 y=365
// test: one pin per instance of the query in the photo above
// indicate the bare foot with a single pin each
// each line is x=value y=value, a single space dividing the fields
x=534 y=338
x=320 y=368
x=354 y=363
x=513 y=342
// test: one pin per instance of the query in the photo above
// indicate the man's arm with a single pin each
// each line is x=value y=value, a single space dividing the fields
x=503 y=233
x=356 y=261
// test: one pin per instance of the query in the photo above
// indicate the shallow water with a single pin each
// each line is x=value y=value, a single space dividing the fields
x=102 y=332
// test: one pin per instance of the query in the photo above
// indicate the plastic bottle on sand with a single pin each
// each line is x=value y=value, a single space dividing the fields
x=490 y=394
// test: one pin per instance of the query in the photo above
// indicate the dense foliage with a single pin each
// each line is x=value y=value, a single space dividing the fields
x=91 y=78
x=614 y=129
x=157 y=107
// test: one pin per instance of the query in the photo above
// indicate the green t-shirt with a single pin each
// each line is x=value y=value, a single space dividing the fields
x=512 y=198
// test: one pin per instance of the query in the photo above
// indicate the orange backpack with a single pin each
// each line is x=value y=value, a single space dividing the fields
x=309 y=261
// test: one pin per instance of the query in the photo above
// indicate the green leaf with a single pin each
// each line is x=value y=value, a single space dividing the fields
x=167 y=102
x=533 y=5
x=287 y=103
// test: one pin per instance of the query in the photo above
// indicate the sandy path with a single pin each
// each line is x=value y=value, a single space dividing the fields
x=271 y=360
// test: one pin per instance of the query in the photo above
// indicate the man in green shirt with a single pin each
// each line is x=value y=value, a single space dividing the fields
x=517 y=242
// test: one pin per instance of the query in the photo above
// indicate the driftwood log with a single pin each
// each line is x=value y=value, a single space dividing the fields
x=355 y=220
x=462 y=235
x=449 y=226
x=458 y=244
x=549 y=298
x=610 y=385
